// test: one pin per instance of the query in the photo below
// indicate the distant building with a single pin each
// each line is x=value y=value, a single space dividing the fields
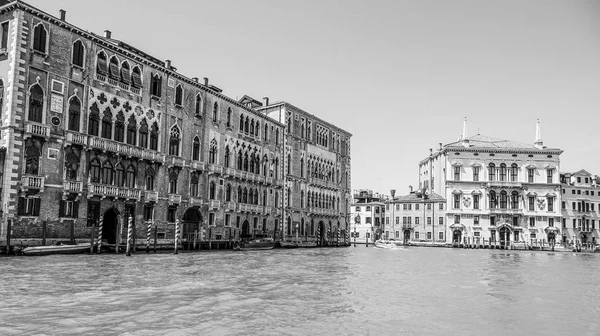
x=416 y=217
x=580 y=207
x=496 y=189
x=367 y=214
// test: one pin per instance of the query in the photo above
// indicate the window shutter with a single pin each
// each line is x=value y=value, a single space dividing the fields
x=137 y=80
x=21 y=209
x=61 y=208
x=101 y=66
x=76 y=209
x=114 y=70
x=36 y=206
x=125 y=76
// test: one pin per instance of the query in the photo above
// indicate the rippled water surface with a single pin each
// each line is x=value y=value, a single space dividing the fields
x=352 y=291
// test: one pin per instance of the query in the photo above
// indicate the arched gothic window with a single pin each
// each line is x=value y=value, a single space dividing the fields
x=131 y=130
x=77 y=57
x=212 y=190
x=95 y=171
x=213 y=151
x=74 y=114
x=36 y=103
x=174 y=140
x=130 y=177
x=196 y=149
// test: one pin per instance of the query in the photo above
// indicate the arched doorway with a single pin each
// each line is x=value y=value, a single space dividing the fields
x=551 y=237
x=504 y=236
x=456 y=236
x=110 y=225
x=406 y=236
x=246 y=234
x=321 y=237
x=191 y=221
x=584 y=238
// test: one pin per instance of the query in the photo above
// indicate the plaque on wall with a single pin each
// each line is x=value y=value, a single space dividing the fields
x=56 y=103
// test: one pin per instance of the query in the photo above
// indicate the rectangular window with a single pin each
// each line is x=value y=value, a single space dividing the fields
x=573 y=191
x=171 y=214
x=93 y=213
x=574 y=223
x=564 y=223
x=456 y=173
x=387 y=220
x=404 y=220
x=476 y=202
x=441 y=235
x=531 y=221
x=440 y=220
x=397 y=206
x=387 y=207
x=416 y=235
x=573 y=207
x=457 y=219
x=148 y=213
x=29 y=206
x=456 y=201
x=530 y=175
x=404 y=206
x=428 y=235
x=476 y=234
x=492 y=221
x=441 y=207
x=397 y=220
x=416 y=220
x=428 y=220
x=476 y=174
x=227 y=220
x=475 y=220
x=551 y=222
x=211 y=219
x=368 y=220
x=68 y=209
x=4 y=30
x=357 y=209
x=515 y=221
x=417 y=206
x=409 y=206
x=368 y=208
x=531 y=203
x=550 y=175
x=563 y=205
x=550 y=203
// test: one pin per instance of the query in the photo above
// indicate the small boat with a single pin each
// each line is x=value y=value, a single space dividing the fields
x=386 y=244
x=307 y=244
x=290 y=243
x=256 y=244
x=56 y=249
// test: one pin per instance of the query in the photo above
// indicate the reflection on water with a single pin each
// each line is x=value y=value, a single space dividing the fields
x=355 y=291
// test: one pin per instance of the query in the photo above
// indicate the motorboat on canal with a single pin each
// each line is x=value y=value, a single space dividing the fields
x=387 y=244
x=256 y=244
x=290 y=243
x=60 y=248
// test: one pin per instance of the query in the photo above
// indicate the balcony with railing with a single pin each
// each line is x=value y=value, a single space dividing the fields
x=228 y=171
x=116 y=83
x=125 y=149
x=37 y=129
x=174 y=199
x=177 y=161
x=105 y=190
x=504 y=184
x=407 y=226
x=76 y=137
x=214 y=169
x=195 y=201
x=230 y=206
x=151 y=196
x=507 y=211
x=214 y=204
x=73 y=186
x=32 y=182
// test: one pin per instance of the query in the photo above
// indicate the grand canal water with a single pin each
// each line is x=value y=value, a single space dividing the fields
x=352 y=291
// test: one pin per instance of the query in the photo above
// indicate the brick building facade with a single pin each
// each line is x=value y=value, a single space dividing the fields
x=95 y=131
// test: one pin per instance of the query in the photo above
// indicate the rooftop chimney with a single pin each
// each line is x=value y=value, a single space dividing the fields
x=410 y=188
x=465 y=141
x=441 y=146
x=205 y=81
x=539 y=144
x=393 y=193
x=195 y=79
x=168 y=64
x=107 y=34
x=266 y=101
x=63 y=14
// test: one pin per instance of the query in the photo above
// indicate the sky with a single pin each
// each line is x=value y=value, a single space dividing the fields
x=401 y=76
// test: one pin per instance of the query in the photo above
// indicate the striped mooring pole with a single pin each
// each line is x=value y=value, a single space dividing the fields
x=99 y=244
x=338 y=238
x=129 y=235
x=318 y=236
x=176 y=236
x=148 y=236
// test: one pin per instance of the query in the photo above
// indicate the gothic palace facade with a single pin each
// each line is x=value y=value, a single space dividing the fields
x=95 y=130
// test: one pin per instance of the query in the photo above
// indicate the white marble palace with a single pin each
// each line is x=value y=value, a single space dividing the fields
x=496 y=189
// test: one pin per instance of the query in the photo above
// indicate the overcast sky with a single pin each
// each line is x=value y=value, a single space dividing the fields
x=399 y=75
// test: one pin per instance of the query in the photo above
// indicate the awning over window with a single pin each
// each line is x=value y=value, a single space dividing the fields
x=114 y=70
x=137 y=80
x=101 y=66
